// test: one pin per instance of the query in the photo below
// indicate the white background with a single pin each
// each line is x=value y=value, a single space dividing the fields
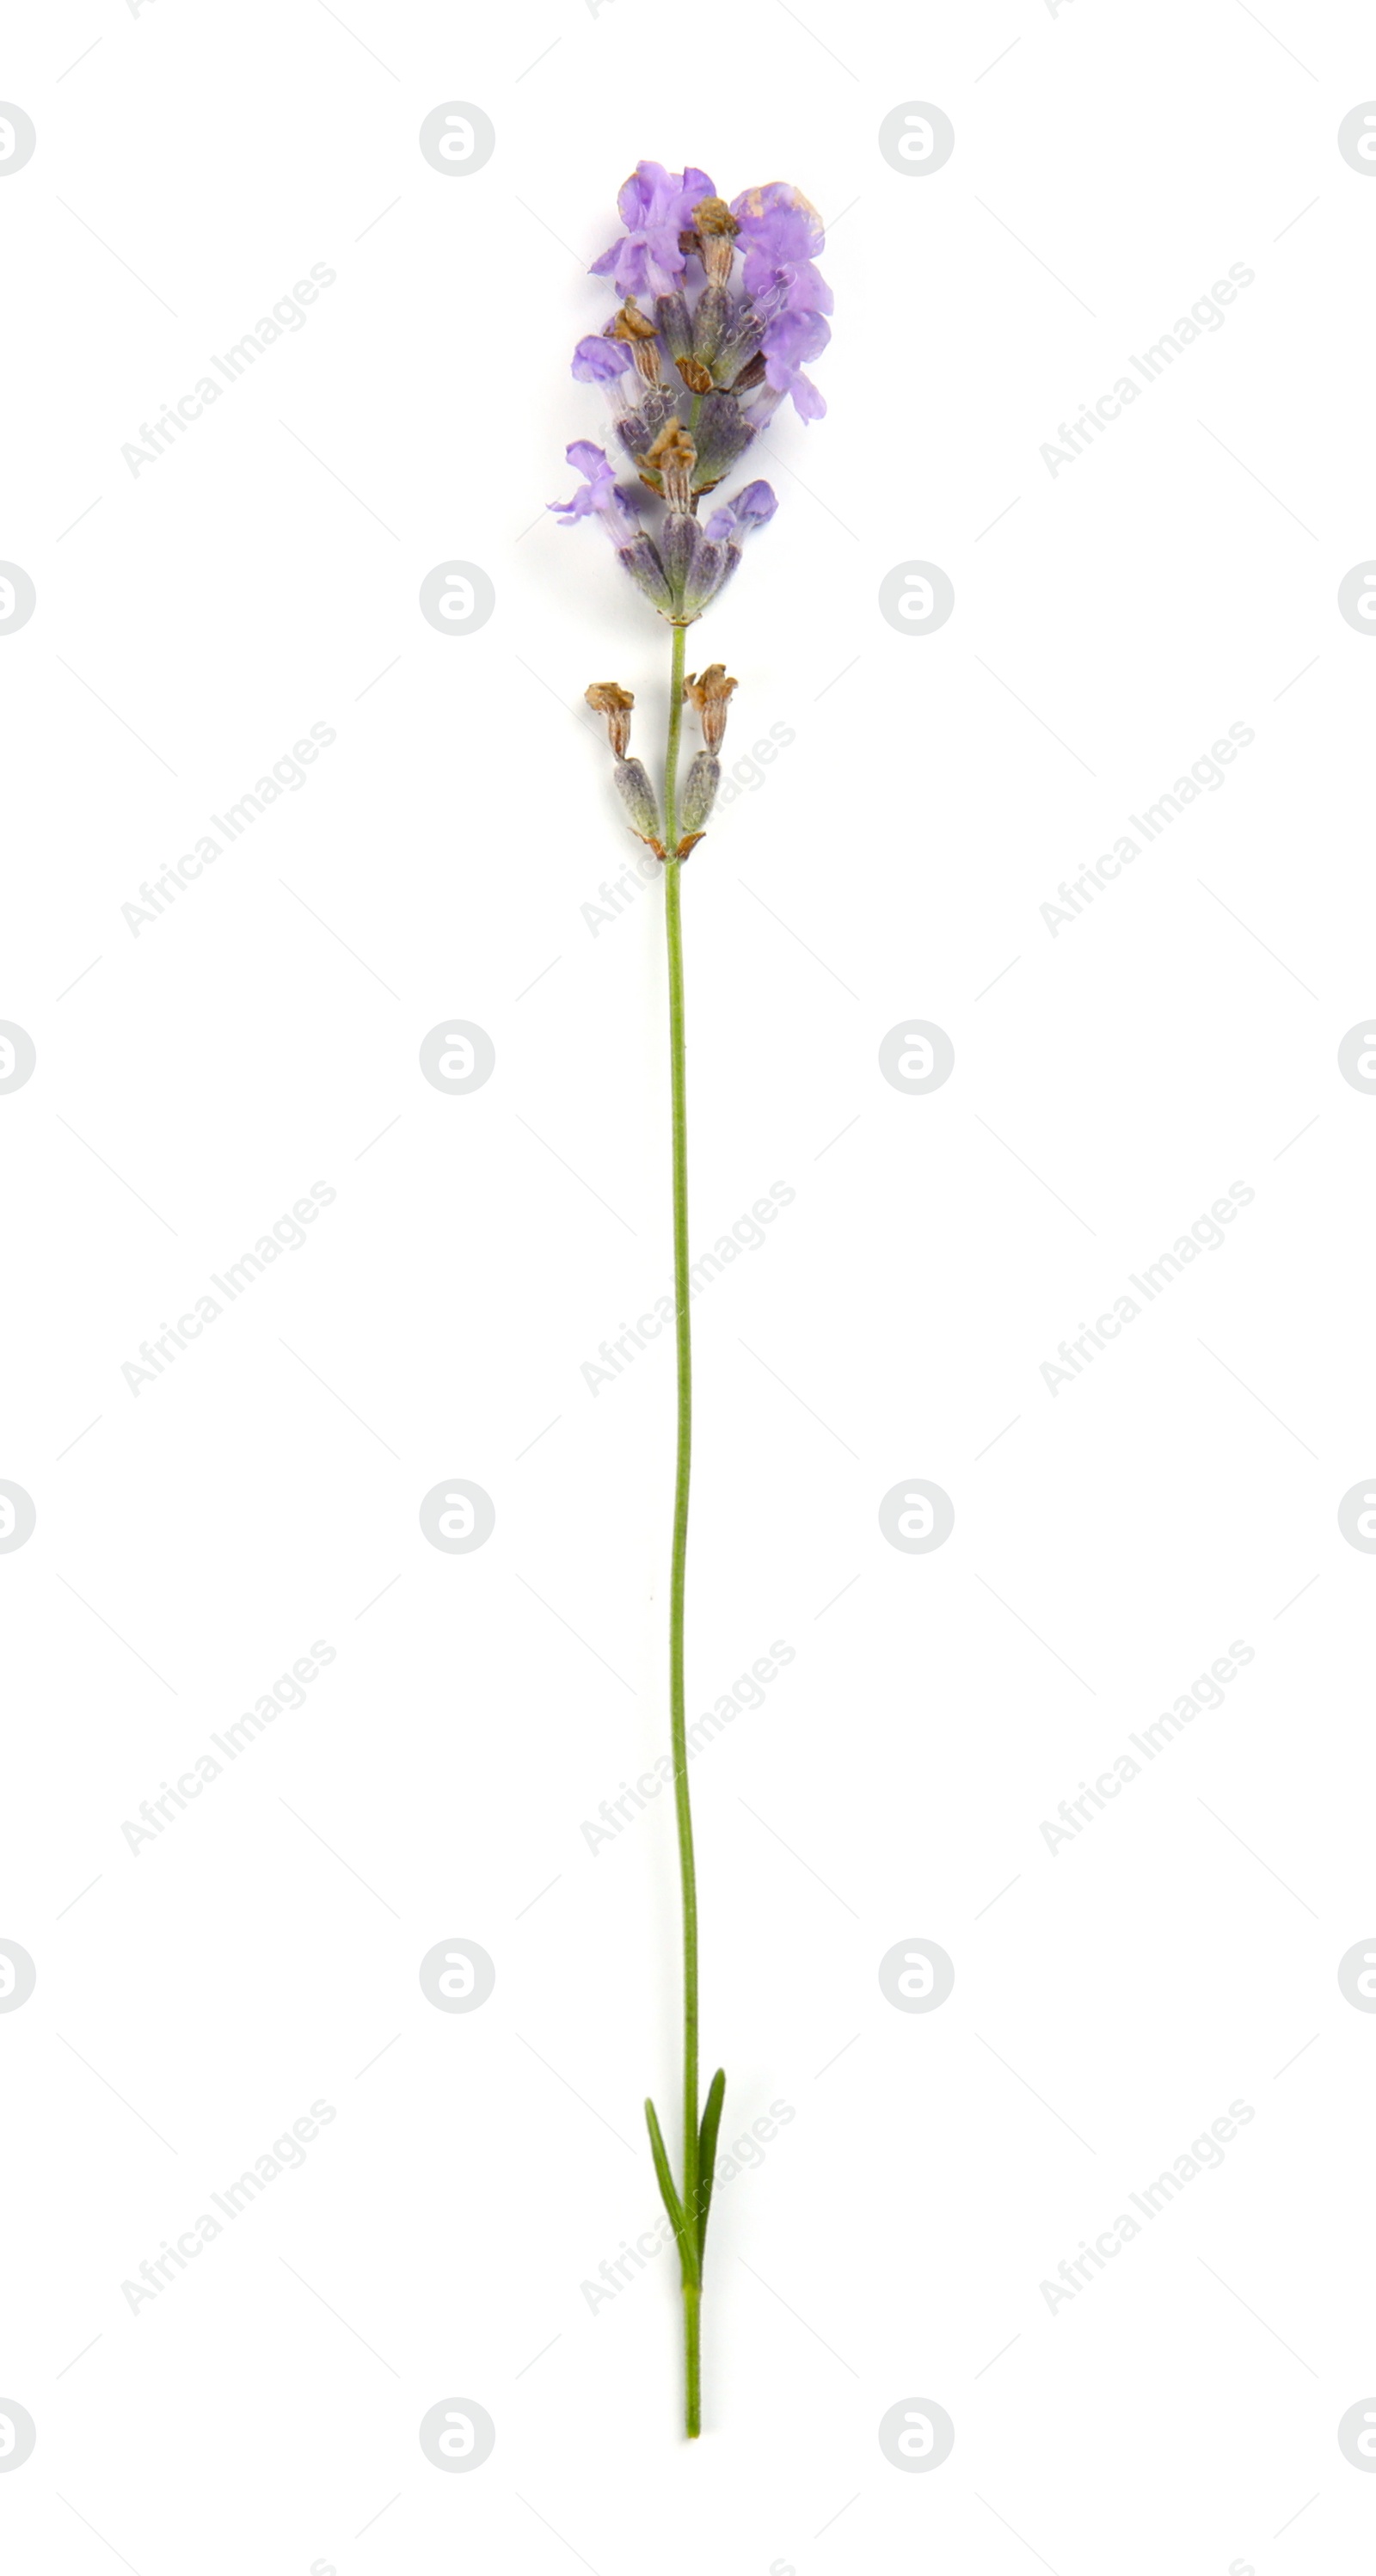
x=1111 y=1540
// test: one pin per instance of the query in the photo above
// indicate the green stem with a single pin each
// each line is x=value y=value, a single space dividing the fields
x=687 y=1874
x=692 y=2345
x=671 y=752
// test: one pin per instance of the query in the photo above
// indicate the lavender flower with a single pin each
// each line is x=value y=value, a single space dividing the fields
x=753 y=507
x=780 y=232
x=598 y=360
x=739 y=312
x=601 y=496
x=655 y=206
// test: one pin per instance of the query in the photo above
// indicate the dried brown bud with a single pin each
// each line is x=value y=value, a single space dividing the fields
x=711 y=695
x=608 y=698
x=697 y=378
x=673 y=457
x=717 y=230
x=631 y=323
x=636 y=327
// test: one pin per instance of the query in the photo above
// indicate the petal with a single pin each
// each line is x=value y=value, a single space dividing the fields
x=589 y=460
x=756 y=505
x=597 y=360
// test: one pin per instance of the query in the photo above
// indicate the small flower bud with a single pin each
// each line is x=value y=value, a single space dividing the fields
x=696 y=376
x=680 y=542
x=721 y=437
x=638 y=797
x=711 y=322
x=607 y=698
x=675 y=324
x=711 y=695
x=641 y=559
x=672 y=457
x=699 y=792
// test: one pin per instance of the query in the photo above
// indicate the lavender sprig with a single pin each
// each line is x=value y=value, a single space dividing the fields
x=690 y=383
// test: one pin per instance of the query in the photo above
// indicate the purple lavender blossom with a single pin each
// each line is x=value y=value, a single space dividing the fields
x=601 y=495
x=752 y=507
x=792 y=338
x=655 y=206
x=723 y=353
x=780 y=233
x=599 y=361
x=779 y=229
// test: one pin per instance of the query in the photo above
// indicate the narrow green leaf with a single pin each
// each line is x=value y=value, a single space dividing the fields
x=707 y=2153
x=668 y=2194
